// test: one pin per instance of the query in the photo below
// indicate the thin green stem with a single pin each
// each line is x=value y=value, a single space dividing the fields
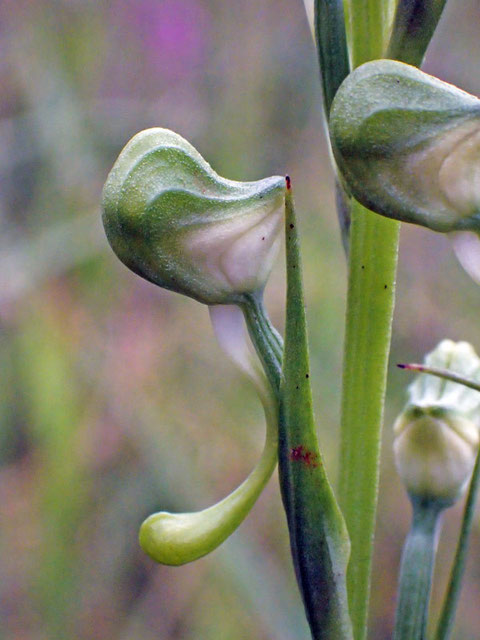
x=373 y=260
x=368 y=23
x=265 y=338
x=442 y=373
x=416 y=571
x=371 y=291
x=447 y=617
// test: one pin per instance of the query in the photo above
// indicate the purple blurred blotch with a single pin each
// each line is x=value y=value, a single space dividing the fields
x=174 y=33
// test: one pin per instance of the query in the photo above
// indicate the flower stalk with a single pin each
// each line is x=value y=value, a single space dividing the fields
x=416 y=571
x=371 y=293
x=470 y=401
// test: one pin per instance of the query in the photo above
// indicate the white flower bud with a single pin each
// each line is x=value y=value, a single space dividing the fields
x=171 y=219
x=437 y=434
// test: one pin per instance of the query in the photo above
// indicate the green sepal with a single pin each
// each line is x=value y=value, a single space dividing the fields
x=318 y=537
x=407 y=145
x=173 y=220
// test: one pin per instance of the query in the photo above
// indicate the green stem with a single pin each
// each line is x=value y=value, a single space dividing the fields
x=371 y=291
x=416 y=571
x=373 y=260
x=368 y=26
x=266 y=339
x=447 y=617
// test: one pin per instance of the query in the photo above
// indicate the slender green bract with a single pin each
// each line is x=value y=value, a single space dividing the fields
x=413 y=27
x=318 y=537
x=331 y=40
x=447 y=617
x=334 y=63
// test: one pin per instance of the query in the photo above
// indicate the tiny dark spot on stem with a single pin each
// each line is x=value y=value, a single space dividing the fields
x=292 y=225
x=263 y=237
x=363 y=266
x=288 y=181
x=297 y=387
x=385 y=286
x=306 y=375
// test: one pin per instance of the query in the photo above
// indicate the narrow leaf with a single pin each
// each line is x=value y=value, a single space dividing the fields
x=447 y=617
x=331 y=41
x=319 y=541
x=413 y=27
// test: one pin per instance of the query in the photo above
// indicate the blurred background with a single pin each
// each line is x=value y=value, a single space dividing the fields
x=115 y=400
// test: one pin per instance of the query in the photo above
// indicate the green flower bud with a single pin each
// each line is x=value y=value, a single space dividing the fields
x=437 y=434
x=174 y=221
x=408 y=145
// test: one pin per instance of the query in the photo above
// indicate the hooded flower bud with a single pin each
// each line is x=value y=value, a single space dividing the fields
x=174 y=221
x=408 y=145
x=436 y=435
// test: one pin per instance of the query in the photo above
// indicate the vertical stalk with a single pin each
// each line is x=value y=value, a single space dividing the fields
x=368 y=26
x=268 y=343
x=416 y=571
x=373 y=258
x=371 y=290
x=447 y=617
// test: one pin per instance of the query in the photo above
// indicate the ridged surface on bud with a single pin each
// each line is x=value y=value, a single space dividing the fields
x=437 y=434
x=408 y=145
x=174 y=221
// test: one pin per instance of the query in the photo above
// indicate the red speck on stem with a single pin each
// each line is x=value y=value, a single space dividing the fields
x=289 y=183
x=300 y=454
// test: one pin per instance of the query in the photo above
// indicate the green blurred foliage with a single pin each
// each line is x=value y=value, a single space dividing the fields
x=115 y=400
